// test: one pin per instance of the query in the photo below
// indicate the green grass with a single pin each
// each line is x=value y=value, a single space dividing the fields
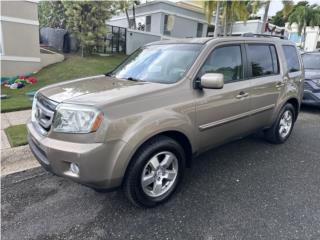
x=72 y=67
x=17 y=135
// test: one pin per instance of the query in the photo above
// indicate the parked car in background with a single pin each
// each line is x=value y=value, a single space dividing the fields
x=140 y=125
x=311 y=62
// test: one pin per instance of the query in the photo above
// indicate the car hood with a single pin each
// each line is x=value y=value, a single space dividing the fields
x=97 y=89
x=312 y=73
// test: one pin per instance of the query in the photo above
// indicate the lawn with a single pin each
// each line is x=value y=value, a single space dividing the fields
x=17 y=135
x=72 y=67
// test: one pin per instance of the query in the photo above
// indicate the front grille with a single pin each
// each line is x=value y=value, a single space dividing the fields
x=43 y=111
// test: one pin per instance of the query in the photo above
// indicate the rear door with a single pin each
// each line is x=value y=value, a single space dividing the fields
x=267 y=83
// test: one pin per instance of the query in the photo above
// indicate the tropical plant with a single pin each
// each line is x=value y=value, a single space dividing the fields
x=124 y=6
x=305 y=15
x=231 y=11
x=51 y=14
x=210 y=7
x=288 y=6
x=86 y=21
x=266 y=5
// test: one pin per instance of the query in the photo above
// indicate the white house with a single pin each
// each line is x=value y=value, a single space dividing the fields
x=19 y=37
x=312 y=36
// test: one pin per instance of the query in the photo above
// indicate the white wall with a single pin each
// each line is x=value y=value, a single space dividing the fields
x=136 y=39
x=251 y=26
x=20 y=49
x=312 y=38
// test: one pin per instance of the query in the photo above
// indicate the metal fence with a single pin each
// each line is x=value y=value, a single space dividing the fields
x=115 y=40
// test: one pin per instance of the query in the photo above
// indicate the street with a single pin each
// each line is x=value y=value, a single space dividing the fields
x=248 y=189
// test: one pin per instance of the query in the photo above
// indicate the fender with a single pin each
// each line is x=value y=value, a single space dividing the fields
x=146 y=128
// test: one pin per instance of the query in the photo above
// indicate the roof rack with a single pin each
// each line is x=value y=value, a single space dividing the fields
x=259 y=35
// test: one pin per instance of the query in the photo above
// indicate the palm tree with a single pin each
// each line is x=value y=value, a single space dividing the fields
x=209 y=7
x=239 y=11
x=305 y=16
x=124 y=5
x=234 y=10
x=287 y=7
x=265 y=15
x=231 y=11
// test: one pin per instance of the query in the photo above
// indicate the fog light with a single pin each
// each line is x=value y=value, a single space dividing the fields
x=74 y=168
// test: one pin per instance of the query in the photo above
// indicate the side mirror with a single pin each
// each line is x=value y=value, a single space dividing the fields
x=212 y=81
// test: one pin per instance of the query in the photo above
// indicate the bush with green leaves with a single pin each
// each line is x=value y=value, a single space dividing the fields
x=87 y=21
x=51 y=14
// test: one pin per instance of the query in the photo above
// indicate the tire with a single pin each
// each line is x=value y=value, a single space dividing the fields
x=160 y=183
x=275 y=134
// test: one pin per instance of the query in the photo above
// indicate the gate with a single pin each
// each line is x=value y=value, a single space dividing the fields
x=115 y=40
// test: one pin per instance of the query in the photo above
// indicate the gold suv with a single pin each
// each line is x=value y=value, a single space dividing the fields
x=140 y=125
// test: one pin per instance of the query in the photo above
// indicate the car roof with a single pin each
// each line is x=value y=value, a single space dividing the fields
x=207 y=40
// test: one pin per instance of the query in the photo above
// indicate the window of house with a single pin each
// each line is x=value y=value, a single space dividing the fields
x=148 y=23
x=291 y=55
x=168 y=24
x=226 y=60
x=141 y=23
x=199 y=29
x=262 y=60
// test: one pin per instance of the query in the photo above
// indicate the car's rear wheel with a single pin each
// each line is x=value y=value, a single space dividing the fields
x=282 y=127
x=155 y=172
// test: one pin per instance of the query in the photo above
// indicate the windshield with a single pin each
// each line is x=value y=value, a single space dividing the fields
x=311 y=61
x=158 y=63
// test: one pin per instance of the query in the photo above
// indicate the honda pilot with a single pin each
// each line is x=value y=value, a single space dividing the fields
x=139 y=126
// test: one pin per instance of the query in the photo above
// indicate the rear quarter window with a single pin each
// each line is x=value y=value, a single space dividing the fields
x=292 y=59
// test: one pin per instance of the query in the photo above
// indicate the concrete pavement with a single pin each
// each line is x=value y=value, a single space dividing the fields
x=19 y=158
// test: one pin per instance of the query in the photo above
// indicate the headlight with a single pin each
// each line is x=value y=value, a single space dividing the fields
x=76 y=119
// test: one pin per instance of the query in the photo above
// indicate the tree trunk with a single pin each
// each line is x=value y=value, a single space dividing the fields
x=134 y=16
x=304 y=36
x=225 y=25
x=265 y=17
x=128 y=19
x=217 y=21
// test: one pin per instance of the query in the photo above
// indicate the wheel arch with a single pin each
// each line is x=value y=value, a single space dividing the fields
x=295 y=103
x=177 y=135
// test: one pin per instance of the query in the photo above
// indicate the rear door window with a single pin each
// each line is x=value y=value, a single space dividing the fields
x=291 y=56
x=263 y=60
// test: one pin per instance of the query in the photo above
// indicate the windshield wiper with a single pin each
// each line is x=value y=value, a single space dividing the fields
x=108 y=74
x=133 y=79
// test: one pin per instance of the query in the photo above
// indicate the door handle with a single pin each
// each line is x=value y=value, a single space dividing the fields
x=279 y=84
x=242 y=95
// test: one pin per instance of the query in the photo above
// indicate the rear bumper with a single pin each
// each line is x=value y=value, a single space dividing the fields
x=96 y=161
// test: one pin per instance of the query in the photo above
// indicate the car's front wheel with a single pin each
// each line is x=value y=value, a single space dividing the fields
x=155 y=172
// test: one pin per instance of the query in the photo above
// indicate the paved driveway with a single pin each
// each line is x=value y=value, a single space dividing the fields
x=248 y=189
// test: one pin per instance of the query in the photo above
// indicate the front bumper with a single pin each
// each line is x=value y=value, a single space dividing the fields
x=96 y=161
x=311 y=95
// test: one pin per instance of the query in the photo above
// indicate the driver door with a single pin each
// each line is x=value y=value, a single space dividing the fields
x=223 y=114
